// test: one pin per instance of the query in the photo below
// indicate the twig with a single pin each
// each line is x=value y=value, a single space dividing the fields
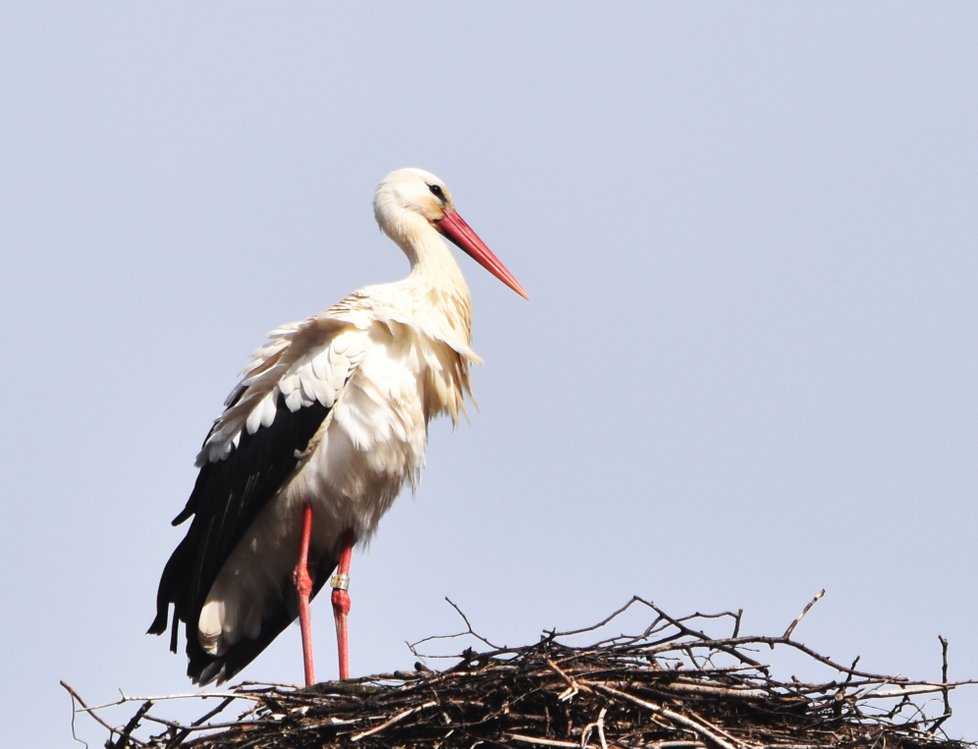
x=75 y=697
x=399 y=717
x=468 y=631
x=701 y=727
x=184 y=732
x=947 y=703
x=572 y=686
x=540 y=741
x=127 y=730
x=804 y=611
x=597 y=725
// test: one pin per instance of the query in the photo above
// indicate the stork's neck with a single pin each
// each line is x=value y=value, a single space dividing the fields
x=436 y=284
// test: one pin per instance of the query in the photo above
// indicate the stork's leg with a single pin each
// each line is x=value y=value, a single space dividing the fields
x=303 y=587
x=341 y=601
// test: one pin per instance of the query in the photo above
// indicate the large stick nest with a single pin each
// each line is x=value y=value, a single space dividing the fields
x=672 y=686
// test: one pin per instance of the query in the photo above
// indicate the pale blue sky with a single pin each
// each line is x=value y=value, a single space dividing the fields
x=748 y=369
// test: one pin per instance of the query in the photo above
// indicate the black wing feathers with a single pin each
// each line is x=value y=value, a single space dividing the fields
x=203 y=667
x=226 y=499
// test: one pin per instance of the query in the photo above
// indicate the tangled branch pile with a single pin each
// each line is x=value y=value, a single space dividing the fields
x=671 y=686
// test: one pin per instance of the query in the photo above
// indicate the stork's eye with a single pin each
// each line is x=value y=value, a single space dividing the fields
x=437 y=192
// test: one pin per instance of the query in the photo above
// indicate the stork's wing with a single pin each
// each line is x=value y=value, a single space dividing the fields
x=251 y=452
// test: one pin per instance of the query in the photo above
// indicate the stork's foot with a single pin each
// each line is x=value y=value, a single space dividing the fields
x=341 y=602
x=303 y=589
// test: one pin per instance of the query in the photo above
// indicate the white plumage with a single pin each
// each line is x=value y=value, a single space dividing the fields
x=330 y=414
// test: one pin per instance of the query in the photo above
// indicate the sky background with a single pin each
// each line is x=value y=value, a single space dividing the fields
x=748 y=369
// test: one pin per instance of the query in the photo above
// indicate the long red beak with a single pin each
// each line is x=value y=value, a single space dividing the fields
x=454 y=227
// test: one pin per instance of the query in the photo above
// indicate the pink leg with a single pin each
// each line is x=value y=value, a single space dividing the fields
x=341 y=601
x=303 y=587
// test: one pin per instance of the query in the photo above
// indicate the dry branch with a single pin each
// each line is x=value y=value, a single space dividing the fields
x=672 y=686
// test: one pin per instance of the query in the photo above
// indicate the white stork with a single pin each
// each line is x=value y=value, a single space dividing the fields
x=328 y=422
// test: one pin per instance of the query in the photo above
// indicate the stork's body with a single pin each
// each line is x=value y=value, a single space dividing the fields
x=326 y=426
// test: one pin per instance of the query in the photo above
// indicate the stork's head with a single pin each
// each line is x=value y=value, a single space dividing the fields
x=409 y=196
x=410 y=203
